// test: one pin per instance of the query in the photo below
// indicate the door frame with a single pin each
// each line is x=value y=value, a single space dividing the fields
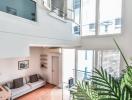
x=59 y=68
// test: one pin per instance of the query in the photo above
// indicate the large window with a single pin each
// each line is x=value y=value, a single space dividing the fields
x=88 y=17
x=110 y=16
x=85 y=64
x=101 y=17
x=87 y=60
x=79 y=64
x=21 y=8
x=110 y=61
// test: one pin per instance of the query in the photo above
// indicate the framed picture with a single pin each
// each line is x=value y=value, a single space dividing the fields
x=11 y=10
x=24 y=64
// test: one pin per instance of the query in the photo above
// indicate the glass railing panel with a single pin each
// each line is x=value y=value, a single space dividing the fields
x=22 y=8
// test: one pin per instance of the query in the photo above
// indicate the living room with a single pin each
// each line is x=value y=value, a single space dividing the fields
x=53 y=44
x=42 y=61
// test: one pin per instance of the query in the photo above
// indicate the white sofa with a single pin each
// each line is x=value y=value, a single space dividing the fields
x=26 y=88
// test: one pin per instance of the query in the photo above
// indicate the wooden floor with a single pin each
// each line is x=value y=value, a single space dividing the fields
x=45 y=93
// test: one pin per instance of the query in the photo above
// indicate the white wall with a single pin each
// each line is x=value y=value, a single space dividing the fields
x=35 y=60
x=9 y=66
x=124 y=40
x=16 y=34
x=9 y=69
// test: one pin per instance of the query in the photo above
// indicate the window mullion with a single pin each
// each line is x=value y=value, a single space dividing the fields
x=76 y=63
x=102 y=56
x=97 y=17
x=96 y=59
x=81 y=17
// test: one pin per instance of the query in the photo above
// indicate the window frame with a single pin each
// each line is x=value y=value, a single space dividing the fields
x=97 y=56
x=97 y=18
x=95 y=59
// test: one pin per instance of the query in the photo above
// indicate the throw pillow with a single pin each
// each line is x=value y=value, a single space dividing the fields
x=18 y=82
x=33 y=78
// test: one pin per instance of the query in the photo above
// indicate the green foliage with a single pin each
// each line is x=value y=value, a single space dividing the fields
x=109 y=87
x=121 y=53
x=106 y=87
x=127 y=79
x=84 y=92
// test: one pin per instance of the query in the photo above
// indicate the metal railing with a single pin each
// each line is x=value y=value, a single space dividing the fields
x=63 y=13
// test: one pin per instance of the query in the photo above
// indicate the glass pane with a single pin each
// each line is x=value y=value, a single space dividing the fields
x=76 y=29
x=110 y=61
x=85 y=64
x=77 y=5
x=68 y=63
x=88 y=17
x=70 y=9
x=110 y=16
x=76 y=25
x=21 y=8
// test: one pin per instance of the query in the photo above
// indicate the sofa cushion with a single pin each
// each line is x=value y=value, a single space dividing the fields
x=35 y=84
x=18 y=83
x=28 y=78
x=33 y=78
x=20 y=90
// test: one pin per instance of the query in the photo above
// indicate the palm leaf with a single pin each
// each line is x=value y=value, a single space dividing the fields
x=127 y=80
x=105 y=84
x=126 y=95
x=105 y=87
x=109 y=88
x=121 y=53
x=84 y=91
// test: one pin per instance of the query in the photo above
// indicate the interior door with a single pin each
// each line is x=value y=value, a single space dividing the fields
x=55 y=70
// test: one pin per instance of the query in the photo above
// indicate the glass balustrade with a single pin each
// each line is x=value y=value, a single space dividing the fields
x=22 y=8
